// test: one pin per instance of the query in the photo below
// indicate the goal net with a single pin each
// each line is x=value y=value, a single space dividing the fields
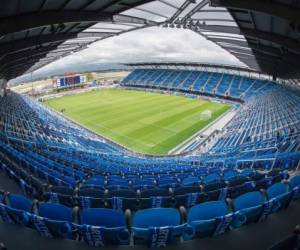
x=205 y=115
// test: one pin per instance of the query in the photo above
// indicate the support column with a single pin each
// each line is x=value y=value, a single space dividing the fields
x=3 y=83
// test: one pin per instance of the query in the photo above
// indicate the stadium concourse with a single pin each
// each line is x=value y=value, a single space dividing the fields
x=64 y=187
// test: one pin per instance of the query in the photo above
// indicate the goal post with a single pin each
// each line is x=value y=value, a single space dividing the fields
x=205 y=115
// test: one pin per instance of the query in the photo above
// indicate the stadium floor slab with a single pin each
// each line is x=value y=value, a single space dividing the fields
x=9 y=185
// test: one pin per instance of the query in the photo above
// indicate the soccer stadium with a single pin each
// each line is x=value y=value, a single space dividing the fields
x=150 y=153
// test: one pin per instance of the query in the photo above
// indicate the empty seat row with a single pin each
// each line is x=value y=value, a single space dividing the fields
x=183 y=196
x=154 y=227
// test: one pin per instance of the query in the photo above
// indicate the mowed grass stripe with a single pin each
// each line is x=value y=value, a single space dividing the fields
x=145 y=109
x=181 y=114
x=151 y=111
x=106 y=108
x=145 y=122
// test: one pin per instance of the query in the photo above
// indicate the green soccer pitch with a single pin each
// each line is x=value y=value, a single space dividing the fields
x=144 y=122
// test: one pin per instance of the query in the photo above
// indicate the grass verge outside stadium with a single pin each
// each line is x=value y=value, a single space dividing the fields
x=145 y=122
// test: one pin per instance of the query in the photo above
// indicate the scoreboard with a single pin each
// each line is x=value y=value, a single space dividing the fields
x=69 y=81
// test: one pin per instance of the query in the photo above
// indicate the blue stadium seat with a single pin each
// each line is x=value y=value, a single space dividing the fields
x=102 y=226
x=20 y=202
x=92 y=192
x=96 y=181
x=147 y=193
x=2 y=194
x=157 y=227
x=54 y=220
x=188 y=181
x=126 y=193
x=122 y=199
x=229 y=174
x=216 y=190
x=188 y=196
x=66 y=200
x=55 y=211
x=208 y=219
x=155 y=197
x=247 y=172
x=295 y=186
x=17 y=211
x=61 y=195
x=250 y=205
x=211 y=178
x=237 y=190
x=280 y=194
x=90 y=202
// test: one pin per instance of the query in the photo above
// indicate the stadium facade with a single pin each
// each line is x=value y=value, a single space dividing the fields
x=76 y=186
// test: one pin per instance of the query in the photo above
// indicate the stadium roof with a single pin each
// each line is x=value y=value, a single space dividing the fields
x=262 y=34
x=34 y=33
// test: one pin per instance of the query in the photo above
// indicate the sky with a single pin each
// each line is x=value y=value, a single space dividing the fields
x=147 y=45
x=152 y=44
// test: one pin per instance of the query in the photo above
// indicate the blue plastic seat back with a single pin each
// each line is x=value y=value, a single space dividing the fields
x=189 y=199
x=295 y=181
x=276 y=190
x=193 y=180
x=147 y=193
x=53 y=228
x=102 y=217
x=126 y=193
x=90 y=202
x=211 y=178
x=69 y=180
x=229 y=174
x=102 y=236
x=167 y=179
x=143 y=182
x=155 y=201
x=62 y=190
x=248 y=200
x=187 y=189
x=214 y=186
x=247 y=172
x=55 y=211
x=1 y=197
x=257 y=176
x=12 y=215
x=156 y=217
x=66 y=200
x=207 y=211
x=91 y=192
x=120 y=203
x=237 y=180
x=118 y=182
x=20 y=202
x=235 y=191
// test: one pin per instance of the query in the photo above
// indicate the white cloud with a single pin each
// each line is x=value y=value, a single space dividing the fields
x=147 y=45
x=152 y=44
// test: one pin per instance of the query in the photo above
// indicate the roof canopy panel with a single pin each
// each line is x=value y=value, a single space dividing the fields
x=262 y=34
x=34 y=33
x=271 y=29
